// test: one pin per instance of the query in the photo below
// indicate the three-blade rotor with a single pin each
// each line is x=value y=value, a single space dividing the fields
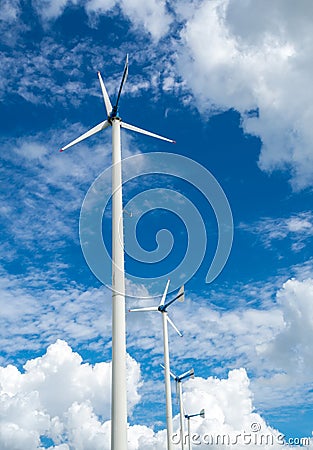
x=112 y=114
x=179 y=378
x=163 y=306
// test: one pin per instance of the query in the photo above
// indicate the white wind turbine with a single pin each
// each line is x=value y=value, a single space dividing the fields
x=188 y=416
x=179 y=392
x=119 y=398
x=162 y=308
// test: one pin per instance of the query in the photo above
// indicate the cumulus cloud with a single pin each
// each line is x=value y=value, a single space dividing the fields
x=262 y=68
x=261 y=338
x=230 y=418
x=61 y=399
x=291 y=349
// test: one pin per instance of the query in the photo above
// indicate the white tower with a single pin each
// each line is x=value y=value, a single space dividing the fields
x=119 y=394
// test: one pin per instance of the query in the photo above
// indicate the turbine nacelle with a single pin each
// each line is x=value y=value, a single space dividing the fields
x=201 y=414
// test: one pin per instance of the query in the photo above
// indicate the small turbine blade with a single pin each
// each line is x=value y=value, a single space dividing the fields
x=164 y=293
x=171 y=373
x=181 y=294
x=96 y=129
x=148 y=133
x=151 y=308
x=178 y=297
x=174 y=326
x=189 y=373
x=107 y=102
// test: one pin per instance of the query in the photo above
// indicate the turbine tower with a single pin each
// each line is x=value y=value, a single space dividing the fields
x=119 y=398
x=179 y=393
x=162 y=308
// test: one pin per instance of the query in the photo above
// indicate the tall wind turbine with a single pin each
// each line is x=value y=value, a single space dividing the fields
x=119 y=398
x=179 y=392
x=162 y=308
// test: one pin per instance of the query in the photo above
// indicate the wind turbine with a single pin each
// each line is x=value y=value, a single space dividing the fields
x=179 y=392
x=162 y=308
x=119 y=397
x=187 y=416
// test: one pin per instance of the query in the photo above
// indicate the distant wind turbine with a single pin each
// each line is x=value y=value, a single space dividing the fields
x=162 y=308
x=119 y=398
x=188 y=416
x=179 y=392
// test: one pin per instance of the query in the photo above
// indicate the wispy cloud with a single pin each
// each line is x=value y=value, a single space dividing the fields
x=298 y=228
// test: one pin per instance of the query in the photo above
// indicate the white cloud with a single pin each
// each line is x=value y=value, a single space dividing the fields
x=298 y=228
x=259 y=338
x=61 y=398
x=152 y=16
x=9 y=10
x=95 y=7
x=10 y=24
x=251 y=55
x=230 y=417
x=51 y=9
x=291 y=349
x=268 y=331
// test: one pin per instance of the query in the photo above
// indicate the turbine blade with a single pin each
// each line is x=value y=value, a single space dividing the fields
x=189 y=373
x=181 y=294
x=164 y=293
x=148 y=133
x=171 y=373
x=177 y=393
x=107 y=102
x=96 y=129
x=174 y=326
x=125 y=74
x=151 y=308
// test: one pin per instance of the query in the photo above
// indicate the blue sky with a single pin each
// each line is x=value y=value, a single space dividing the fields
x=230 y=81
